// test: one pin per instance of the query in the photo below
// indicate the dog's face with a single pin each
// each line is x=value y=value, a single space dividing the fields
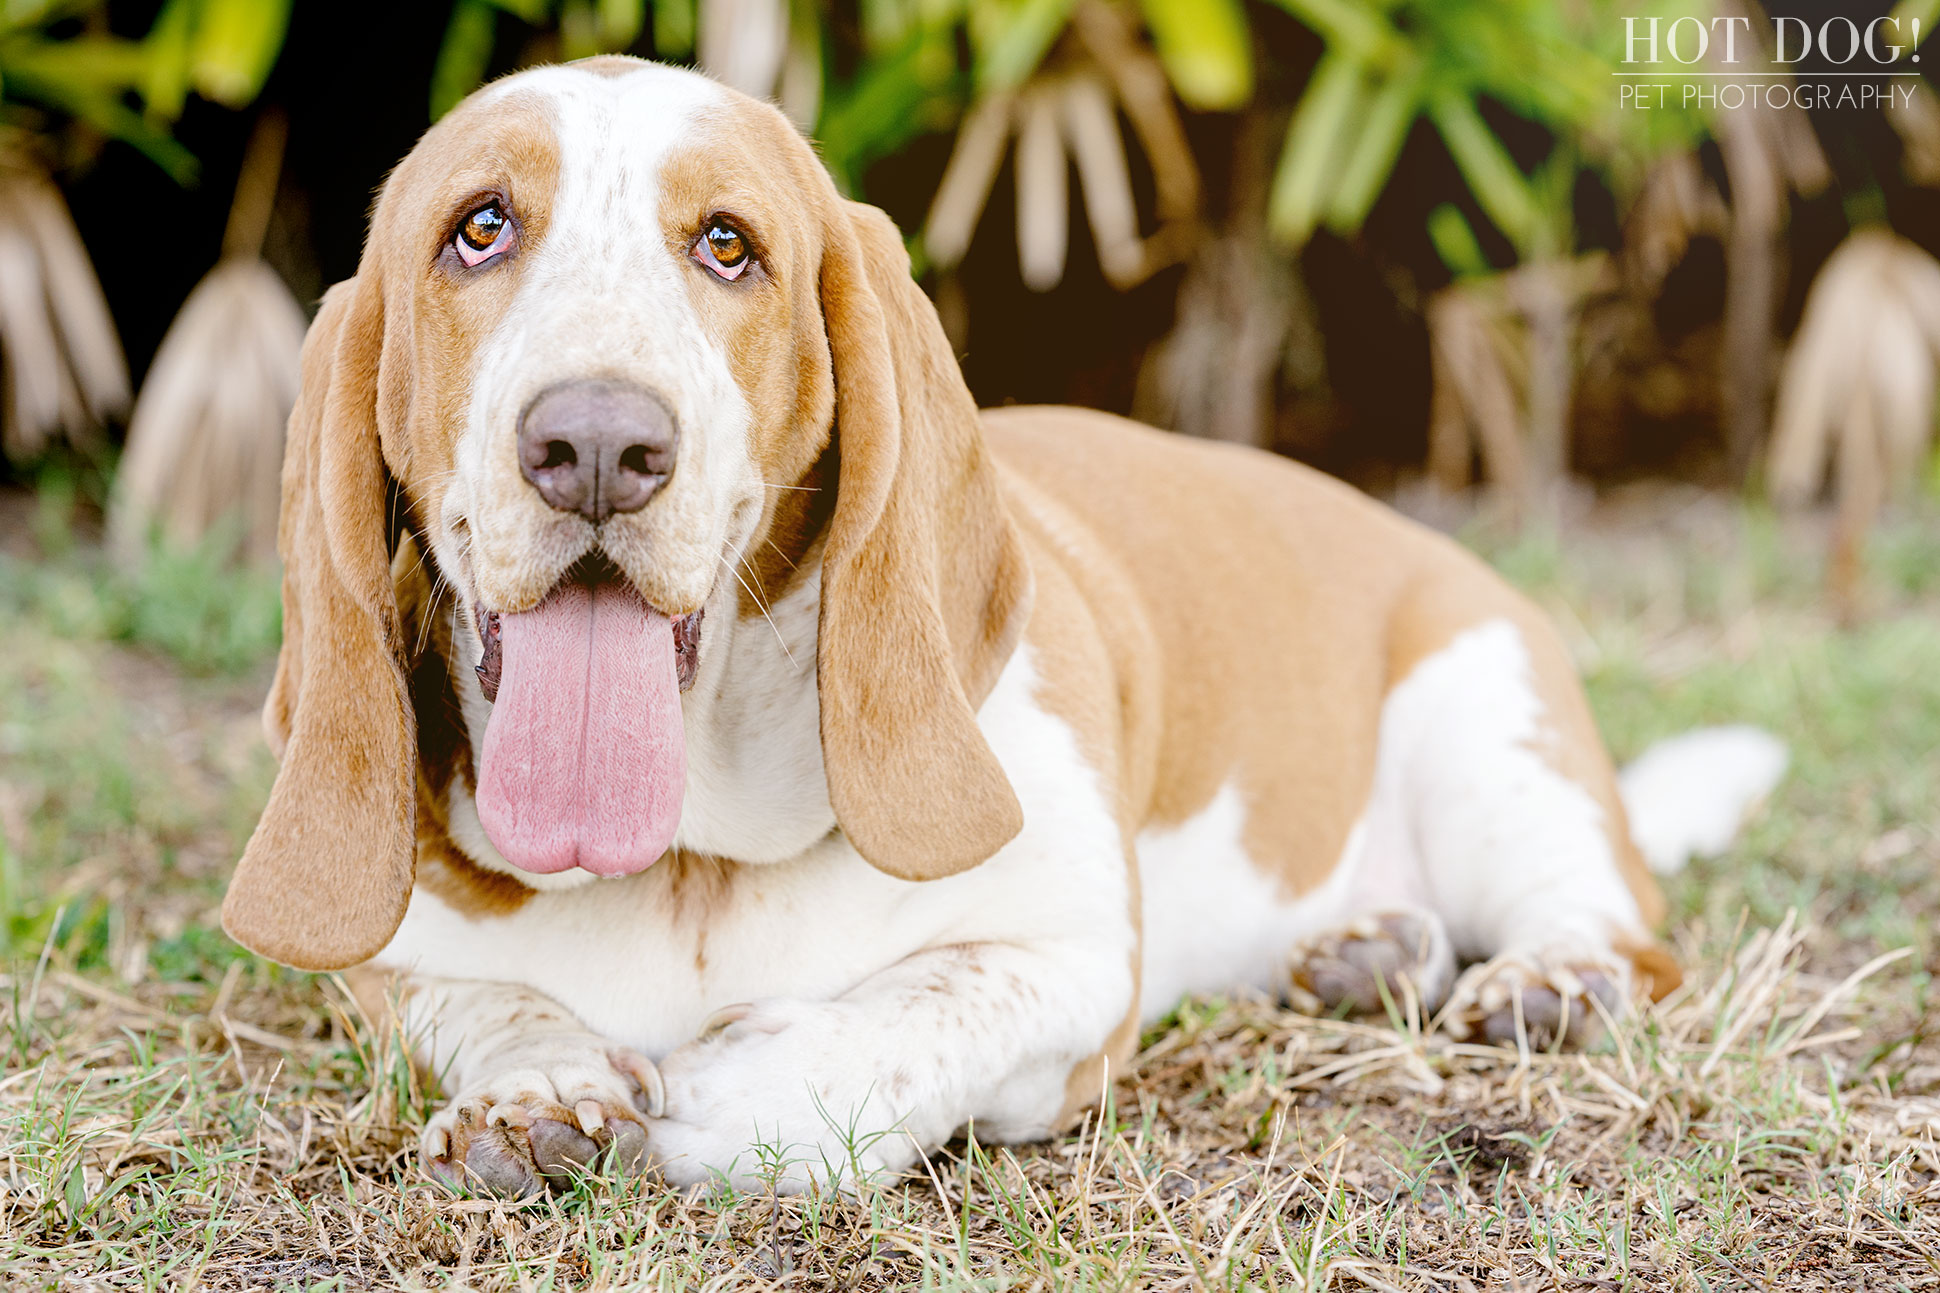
x=610 y=317
x=612 y=282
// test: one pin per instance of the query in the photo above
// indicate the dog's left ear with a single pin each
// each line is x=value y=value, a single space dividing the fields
x=925 y=583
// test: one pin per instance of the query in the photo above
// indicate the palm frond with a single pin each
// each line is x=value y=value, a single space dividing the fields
x=1858 y=388
x=65 y=374
x=205 y=443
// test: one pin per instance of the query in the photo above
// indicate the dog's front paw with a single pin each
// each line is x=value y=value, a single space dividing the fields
x=1549 y=998
x=551 y=1111
x=783 y=1093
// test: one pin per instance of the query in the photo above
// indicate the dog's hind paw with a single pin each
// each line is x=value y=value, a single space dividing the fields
x=1346 y=968
x=1546 y=998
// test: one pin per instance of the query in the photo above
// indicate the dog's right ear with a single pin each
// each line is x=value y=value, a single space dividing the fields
x=328 y=872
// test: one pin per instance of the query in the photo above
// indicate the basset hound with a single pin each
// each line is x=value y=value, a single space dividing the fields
x=735 y=755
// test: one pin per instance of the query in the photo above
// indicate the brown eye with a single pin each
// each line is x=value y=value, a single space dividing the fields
x=722 y=248
x=485 y=233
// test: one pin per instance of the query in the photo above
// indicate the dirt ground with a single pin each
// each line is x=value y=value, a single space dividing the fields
x=177 y=1113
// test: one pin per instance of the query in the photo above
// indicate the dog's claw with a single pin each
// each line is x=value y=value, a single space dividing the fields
x=508 y=1115
x=723 y=1019
x=645 y=1076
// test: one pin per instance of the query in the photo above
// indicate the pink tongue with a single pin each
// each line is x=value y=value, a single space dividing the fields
x=584 y=760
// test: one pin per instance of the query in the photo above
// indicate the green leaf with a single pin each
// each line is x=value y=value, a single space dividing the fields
x=1908 y=12
x=464 y=55
x=1370 y=161
x=1358 y=29
x=620 y=22
x=1456 y=243
x=104 y=110
x=1206 y=49
x=885 y=23
x=673 y=28
x=896 y=97
x=1491 y=174
x=534 y=13
x=165 y=84
x=83 y=64
x=579 y=30
x=236 y=43
x=1009 y=38
x=1333 y=100
x=74 y=1192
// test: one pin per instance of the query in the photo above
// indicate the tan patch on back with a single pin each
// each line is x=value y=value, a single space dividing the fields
x=1095 y=649
x=1264 y=590
x=1281 y=606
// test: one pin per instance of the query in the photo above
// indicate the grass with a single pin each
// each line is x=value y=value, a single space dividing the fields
x=176 y=1113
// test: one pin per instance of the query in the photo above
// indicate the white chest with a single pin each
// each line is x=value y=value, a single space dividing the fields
x=646 y=958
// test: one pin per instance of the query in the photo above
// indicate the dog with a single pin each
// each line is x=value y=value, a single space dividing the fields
x=735 y=756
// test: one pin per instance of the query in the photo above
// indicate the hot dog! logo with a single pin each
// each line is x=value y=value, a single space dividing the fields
x=1698 y=63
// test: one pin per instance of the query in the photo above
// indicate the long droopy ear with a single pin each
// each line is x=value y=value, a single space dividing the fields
x=325 y=879
x=925 y=584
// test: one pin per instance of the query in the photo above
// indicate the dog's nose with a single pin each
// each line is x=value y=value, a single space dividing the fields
x=597 y=447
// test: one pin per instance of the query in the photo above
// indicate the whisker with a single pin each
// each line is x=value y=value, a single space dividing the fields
x=430 y=605
x=776 y=628
x=424 y=624
x=800 y=489
x=781 y=554
x=439 y=587
x=421 y=551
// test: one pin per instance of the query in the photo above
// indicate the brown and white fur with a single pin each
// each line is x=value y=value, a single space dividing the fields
x=1008 y=728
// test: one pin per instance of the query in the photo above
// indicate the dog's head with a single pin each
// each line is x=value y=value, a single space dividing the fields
x=610 y=319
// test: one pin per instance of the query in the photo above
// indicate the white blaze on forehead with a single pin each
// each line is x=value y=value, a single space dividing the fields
x=621 y=122
x=604 y=294
x=603 y=267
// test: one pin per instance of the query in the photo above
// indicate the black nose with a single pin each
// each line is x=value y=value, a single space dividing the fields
x=597 y=447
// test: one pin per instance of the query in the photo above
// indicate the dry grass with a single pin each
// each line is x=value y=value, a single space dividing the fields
x=174 y=1113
